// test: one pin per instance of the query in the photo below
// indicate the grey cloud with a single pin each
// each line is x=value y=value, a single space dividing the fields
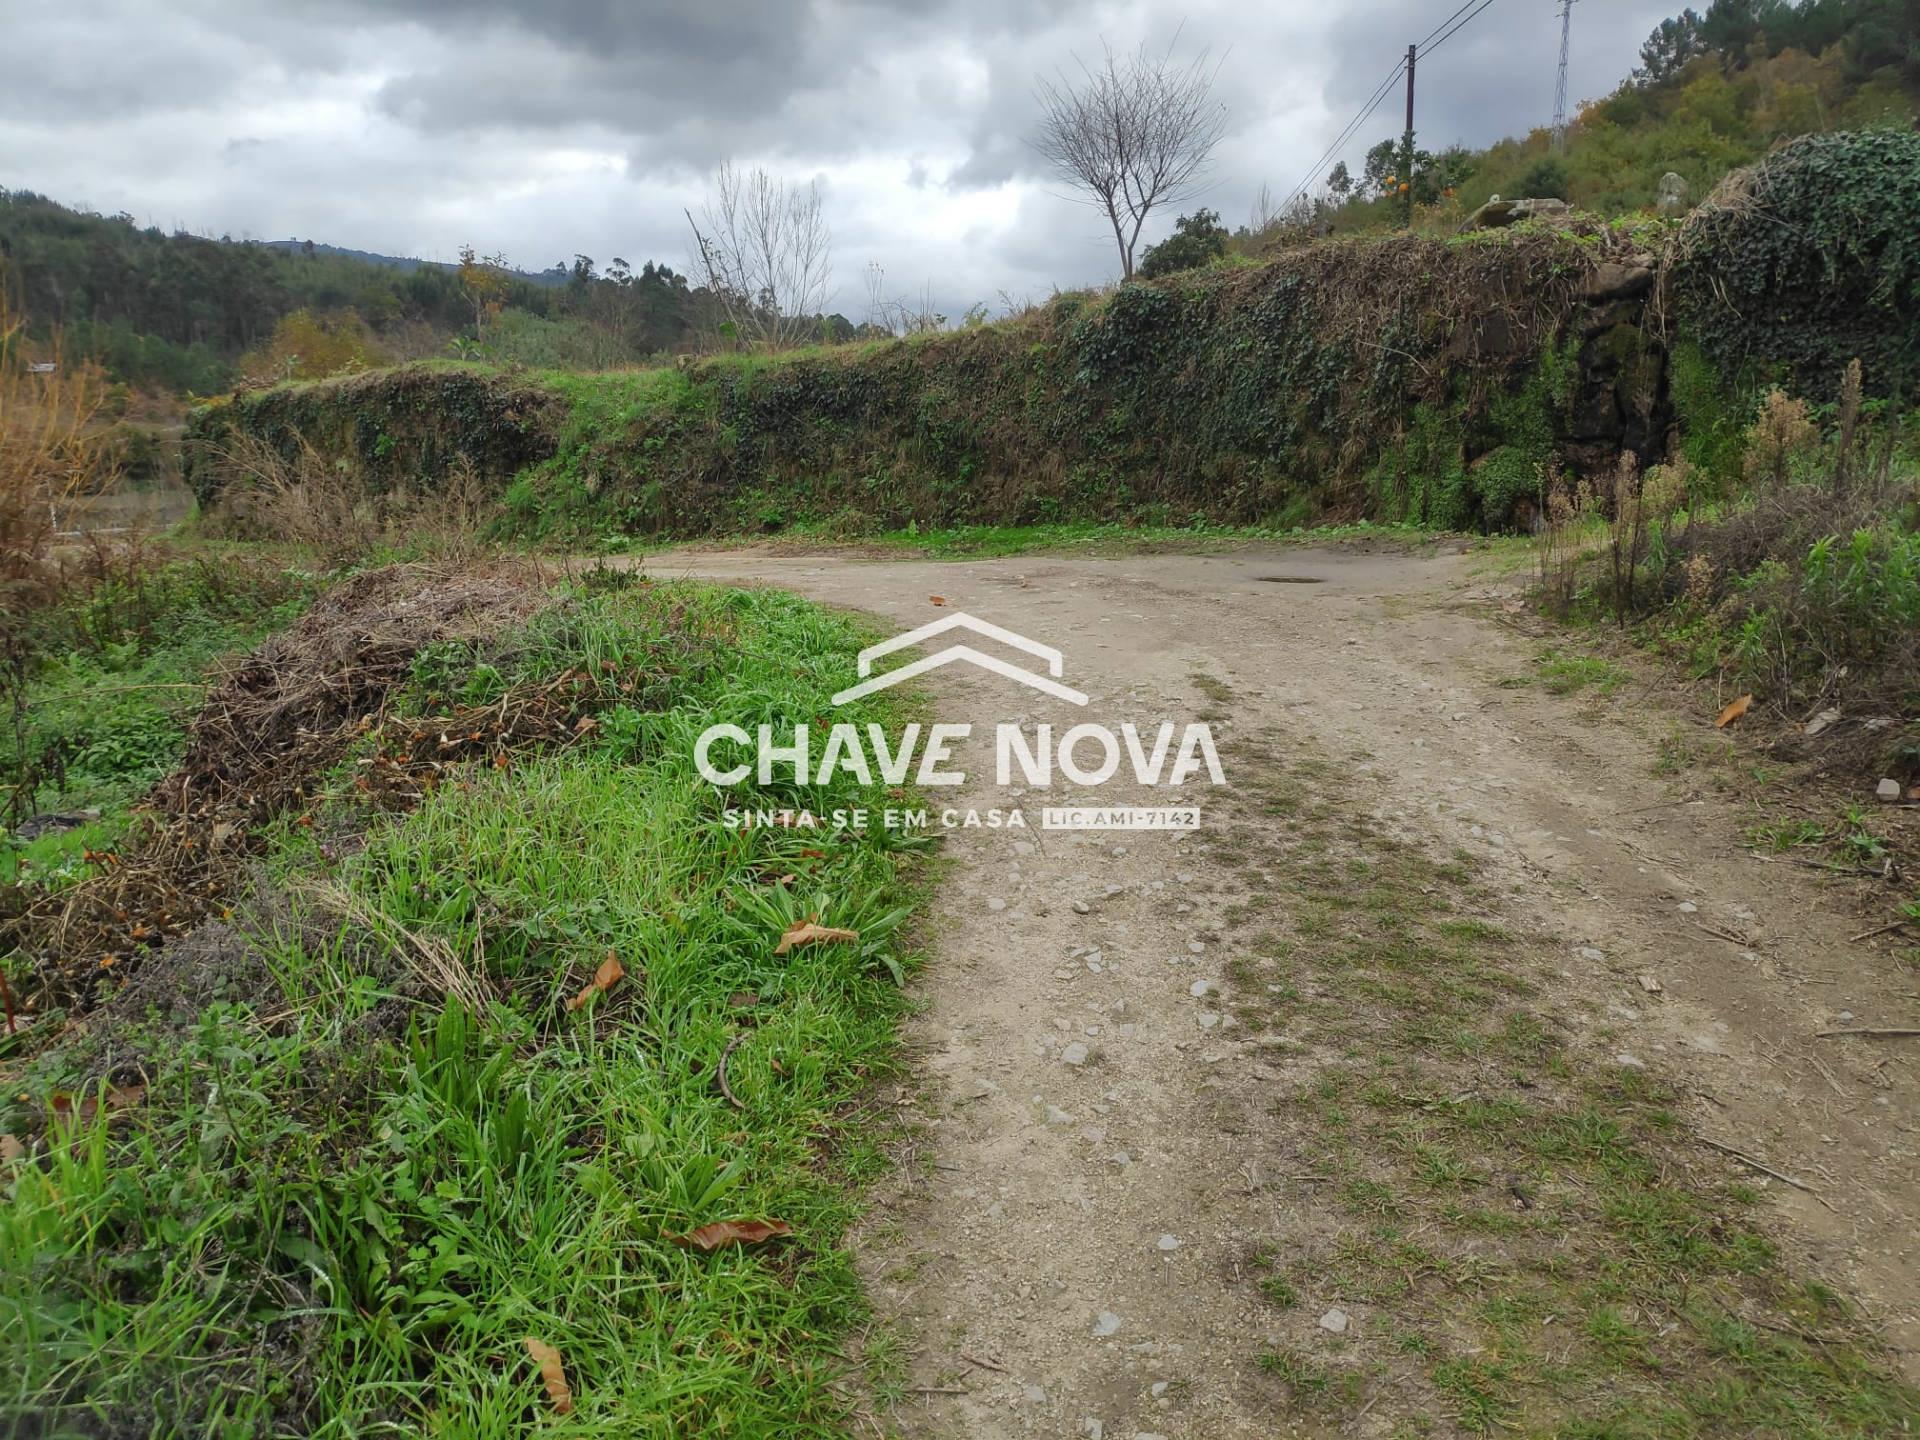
x=410 y=126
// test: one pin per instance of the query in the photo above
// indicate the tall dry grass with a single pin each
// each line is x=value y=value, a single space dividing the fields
x=50 y=451
x=304 y=501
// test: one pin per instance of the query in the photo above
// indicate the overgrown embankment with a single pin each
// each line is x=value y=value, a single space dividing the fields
x=1403 y=378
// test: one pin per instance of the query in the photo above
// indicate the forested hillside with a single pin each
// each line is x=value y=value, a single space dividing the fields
x=1715 y=90
x=183 y=312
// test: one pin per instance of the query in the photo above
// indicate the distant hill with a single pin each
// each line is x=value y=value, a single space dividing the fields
x=547 y=279
x=178 y=311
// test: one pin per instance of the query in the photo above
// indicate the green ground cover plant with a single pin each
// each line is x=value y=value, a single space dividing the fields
x=404 y=1128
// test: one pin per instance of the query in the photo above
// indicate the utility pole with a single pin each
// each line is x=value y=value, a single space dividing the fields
x=1413 y=57
x=1560 y=92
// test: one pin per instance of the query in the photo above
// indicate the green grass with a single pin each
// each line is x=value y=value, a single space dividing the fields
x=348 y=1199
x=974 y=542
x=1562 y=673
x=126 y=666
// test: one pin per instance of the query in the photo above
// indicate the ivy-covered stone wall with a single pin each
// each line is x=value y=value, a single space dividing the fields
x=1400 y=378
x=1808 y=261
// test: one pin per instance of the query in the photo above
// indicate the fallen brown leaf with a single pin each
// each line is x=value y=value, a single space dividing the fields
x=118 y=1097
x=10 y=1147
x=731 y=1232
x=1733 y=712
x=743 y=999
x=552 y=1374
x=807 y=933
x=936 y=599
x=604 y=979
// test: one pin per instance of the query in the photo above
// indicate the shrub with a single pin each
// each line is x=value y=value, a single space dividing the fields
x=1198 y=239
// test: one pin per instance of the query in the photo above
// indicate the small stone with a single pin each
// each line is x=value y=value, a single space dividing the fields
x=1120 y=1158
x=1168 y=1243
x=1094 y=1134
x=1080 y=907
x=1034 y=1395
x=1334 y=1321
x=1209 y=1019
x=1629 y=1062
x=1104 y=1324
x=1650 y=984
x=1587 y=952
x=1826 y=719
x=1064 y=974
x=1687 y=907
x=1195 y=947
x=1157 y=1389
x=1888 y=790
x=1074 y=1054
x=1093 y=1429
x=996 y=904
x=983 y=1088
x=1057 y=1116
x=1199 y=989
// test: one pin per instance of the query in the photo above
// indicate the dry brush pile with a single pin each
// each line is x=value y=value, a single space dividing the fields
x=260 y=752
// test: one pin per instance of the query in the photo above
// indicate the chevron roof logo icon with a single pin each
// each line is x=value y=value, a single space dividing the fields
x=1048 y=684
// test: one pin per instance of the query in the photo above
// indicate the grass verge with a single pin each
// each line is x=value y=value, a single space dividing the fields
x=335 y=1198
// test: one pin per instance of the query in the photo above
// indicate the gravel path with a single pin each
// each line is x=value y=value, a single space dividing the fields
x=1068 y=1245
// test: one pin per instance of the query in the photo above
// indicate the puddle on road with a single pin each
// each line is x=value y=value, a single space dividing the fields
x=1291 y=579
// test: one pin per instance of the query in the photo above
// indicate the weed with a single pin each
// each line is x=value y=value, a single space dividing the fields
x=347 y=1198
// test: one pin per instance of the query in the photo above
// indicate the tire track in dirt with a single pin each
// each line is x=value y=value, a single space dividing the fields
x=1066 y=1252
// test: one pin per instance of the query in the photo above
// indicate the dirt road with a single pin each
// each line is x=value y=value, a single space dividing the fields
x=1094 y=1234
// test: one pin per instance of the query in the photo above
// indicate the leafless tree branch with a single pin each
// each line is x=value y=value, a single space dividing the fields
x=1133 y=135
x=762 y=247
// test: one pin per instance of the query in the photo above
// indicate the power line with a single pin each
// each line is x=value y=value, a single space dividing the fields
x=1484 y=5
x=1366 y=113
x=1452 y=25
x=1446 y=22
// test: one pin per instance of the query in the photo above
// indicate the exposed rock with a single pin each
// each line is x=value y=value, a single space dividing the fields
x=1888 y=790
x=1498 y=214
x=1613 y=280
x=1673 y=199
x=1335 y=1321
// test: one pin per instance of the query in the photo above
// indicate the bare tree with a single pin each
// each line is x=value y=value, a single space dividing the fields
x=1265 y=211
x=1133 y=135
x=763 y=249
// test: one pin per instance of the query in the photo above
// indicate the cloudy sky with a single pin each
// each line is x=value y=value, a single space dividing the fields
x=542 y=128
